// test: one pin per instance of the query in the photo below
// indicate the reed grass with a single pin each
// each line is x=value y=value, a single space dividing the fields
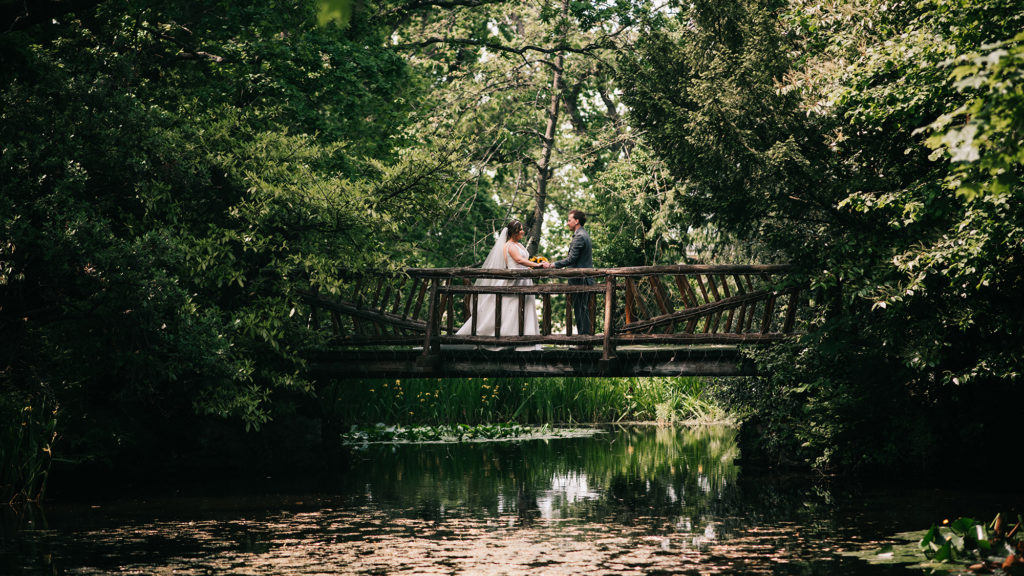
x=435 y=401
x=28 y=428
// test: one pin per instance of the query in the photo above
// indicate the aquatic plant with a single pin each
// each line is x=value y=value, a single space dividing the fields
x=28 y=429
x=454 y=433
x=995 y=545
x=964 y=544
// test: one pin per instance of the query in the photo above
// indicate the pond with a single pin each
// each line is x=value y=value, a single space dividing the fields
x=626 y=500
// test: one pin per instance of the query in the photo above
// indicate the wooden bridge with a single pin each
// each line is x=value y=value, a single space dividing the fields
x=648 y=321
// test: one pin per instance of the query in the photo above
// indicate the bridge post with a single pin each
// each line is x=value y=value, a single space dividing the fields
x=794 y=299
x=609 y=320
x=431 y=343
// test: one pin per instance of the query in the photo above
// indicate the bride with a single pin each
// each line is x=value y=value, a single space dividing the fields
x=507 y=253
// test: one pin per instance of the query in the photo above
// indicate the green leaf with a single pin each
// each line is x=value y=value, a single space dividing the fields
x=962 y=526
x=929 y=538
x=969 y=191
x=945 y=553
x=952 y=538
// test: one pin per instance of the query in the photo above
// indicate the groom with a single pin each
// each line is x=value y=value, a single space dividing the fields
x=580 y=256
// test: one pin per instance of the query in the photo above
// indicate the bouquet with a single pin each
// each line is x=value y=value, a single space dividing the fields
x=539 y=259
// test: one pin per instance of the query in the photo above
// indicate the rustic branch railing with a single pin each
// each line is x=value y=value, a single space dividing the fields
x=650 y=305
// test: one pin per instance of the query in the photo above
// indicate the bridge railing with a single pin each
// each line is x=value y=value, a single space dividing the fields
x=649 y=305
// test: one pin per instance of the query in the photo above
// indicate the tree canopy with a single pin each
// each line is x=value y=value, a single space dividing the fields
x=172 y=175
x=877 y=146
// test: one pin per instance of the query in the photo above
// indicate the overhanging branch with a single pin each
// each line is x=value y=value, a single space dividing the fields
x=518 y=50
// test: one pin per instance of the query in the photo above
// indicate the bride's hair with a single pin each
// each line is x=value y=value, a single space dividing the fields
x=514 y=226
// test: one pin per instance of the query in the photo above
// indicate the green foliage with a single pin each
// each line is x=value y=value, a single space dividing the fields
x=706 y=100
x=967 y=539
x=526 y=401
x=338 y=12
x=27 y=436
x=171 y=177
x=877 y=147
x=635 y=199
x=942 y=266
x=964 y=545
x=492 y=69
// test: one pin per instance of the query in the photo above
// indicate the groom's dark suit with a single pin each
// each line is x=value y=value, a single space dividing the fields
x=580 y=256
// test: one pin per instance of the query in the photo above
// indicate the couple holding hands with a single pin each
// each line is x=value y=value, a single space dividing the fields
x=509 y=253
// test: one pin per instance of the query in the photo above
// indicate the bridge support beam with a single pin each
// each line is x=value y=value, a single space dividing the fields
x=608 y=366
x=463 y=363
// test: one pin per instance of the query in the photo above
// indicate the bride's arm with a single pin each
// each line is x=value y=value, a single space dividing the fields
x=518 y=257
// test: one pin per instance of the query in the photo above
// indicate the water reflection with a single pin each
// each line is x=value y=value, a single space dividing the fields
x=642 y=500
x=621 y=473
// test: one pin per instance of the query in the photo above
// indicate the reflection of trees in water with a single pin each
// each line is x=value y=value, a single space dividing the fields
x=625 y=474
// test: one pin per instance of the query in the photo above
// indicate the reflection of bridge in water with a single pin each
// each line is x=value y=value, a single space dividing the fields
x=648 y=321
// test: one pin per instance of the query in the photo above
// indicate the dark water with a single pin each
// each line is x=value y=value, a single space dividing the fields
x=640 y=500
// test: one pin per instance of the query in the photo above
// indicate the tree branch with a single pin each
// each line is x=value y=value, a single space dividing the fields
x=521 y=50
x=186 y=52
x=570 y=97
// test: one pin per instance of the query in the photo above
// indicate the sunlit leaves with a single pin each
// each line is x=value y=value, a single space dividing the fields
x=338 y=12
x=983 y=137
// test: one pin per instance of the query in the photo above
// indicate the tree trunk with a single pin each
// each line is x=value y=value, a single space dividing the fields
x=547 y=145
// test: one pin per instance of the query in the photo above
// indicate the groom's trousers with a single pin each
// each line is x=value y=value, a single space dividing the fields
x=581 y=306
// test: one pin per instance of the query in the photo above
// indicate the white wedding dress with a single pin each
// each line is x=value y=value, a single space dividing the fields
x=509 y=304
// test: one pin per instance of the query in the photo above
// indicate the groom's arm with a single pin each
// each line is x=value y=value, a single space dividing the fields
x=575 y=250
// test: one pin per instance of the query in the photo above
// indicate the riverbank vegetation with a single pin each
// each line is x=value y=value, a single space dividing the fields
x=172 y=176
x=558 y=401
x=876 y=145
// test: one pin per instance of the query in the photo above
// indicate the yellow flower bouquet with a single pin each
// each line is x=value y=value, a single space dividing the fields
x=539 y=259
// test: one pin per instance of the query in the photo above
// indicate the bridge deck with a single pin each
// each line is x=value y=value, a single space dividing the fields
x=466 y=361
